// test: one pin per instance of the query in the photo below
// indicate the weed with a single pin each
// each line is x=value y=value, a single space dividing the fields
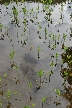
x=58 y=92
x=8 y=93
x=27 y=107
x=43 y=100
x=40 y=73
x=33 y=105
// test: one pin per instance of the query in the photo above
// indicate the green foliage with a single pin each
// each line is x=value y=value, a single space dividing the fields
x=38 y=48
x=40 y=73
x=30 y=84
x=0 y=103
x=52 y=63
x=26 y=106
x=8 y=93
x=12 y=53
x=65 y=48
x=16 y=67
x=57 y=91
x=57 y=55
x=5 y=75
x=33 y=105
x=0 y=79
x=43 y=99
x=66 y=73
x=68 y=56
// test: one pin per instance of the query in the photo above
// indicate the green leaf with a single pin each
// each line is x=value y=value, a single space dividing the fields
x=52 y=63
x=50 y=1
x=65 y=73
x=8 y=93
x=57 y=91
x=38 y=48
x=30 y=84
x=27 y=107
x=0 y=79
x=40 y=73
x=33 y=105
x=43 y=99
x=15 y=92
x=12 y=54
x=65 y=48
x=56 y=55
x=36 y=8
x=0 y=104
x=16 y=67
x=40 y=27
x=5 y=75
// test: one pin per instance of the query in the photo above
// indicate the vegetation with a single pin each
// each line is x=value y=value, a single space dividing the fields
x=9 y=85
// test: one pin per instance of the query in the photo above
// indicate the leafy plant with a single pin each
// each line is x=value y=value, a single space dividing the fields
x=26 y=106
x=65 y=48
x=12 y=53
x=65 y=73
x=57 y=55
x=38 y=48
x=40 y=73
x=64 y=36
x=8 y=93
x=40 y=27
x=1 y=26
x=0 y=79
x=43 y=100
x=68 y=56
x=57 y=91
x=53 y=46
x=5 y=75
x=16 y=67
x=33 y=105
x=52 y=63
x=0 y=103
x=30 y=84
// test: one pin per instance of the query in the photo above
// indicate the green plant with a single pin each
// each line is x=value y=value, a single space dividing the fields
x=40 y=27
x=8 y=93
x=33 y=105
x=68 y=56
x=52 y=63
x=53 y=46
x=65 y=48
x=26 y=106
x=43 y=100
x=16 y=67
x=1 y=26
x=5 y=3
x=0 y=103
x=30 y=85
x=66 y=73
x=57 y=55
x=5 y=75
x=58 y=91
x=64 y=36
x=40 y=73
x=70 y=61
x=31 y=11
x=15 y=12
x=12 y=53
x=0 y=79
x=39 y=49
